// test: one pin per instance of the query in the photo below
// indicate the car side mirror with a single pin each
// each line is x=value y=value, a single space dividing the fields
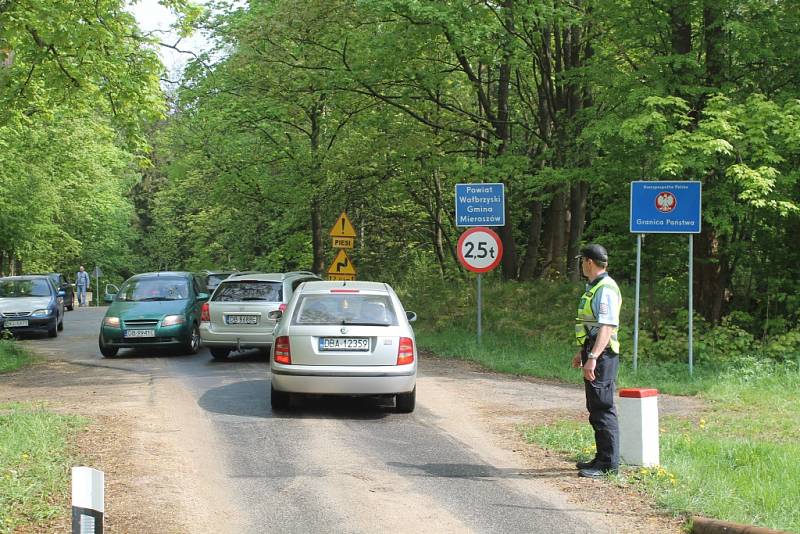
x=61 y=294
x=411 y=316
x=275 y=315
x=202 y=296
x=108 y=298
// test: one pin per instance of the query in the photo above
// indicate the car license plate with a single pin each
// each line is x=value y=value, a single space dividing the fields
x=344 y=343
x=140 y=333
x=241 y=319
x=12 y=324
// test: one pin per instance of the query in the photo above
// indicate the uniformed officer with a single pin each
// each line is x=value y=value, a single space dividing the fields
x=598 y=356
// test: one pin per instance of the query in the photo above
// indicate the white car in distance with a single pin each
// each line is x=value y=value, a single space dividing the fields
x=344 y=338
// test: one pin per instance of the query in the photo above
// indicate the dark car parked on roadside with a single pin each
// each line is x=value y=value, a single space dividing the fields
x=31 y=302
x=61 y=283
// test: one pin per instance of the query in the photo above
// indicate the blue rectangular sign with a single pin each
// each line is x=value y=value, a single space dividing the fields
x=665 y=207
x=480 y=205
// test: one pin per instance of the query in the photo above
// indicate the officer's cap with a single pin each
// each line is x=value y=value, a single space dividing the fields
x=594 y=252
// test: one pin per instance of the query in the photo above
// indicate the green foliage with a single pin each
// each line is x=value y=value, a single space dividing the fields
x=12 y=356
x=35 y=459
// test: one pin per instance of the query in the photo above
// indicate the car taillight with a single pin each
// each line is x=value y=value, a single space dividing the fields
x=405 y=353
x=205 y=316
x=282 y=307
x=283 y=352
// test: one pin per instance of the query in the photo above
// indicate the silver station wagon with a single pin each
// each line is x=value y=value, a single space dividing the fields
x=235 y=317
x=344 y=338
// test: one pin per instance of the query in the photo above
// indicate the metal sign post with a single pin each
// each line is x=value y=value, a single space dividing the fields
x=97 y=274
x=479 y=250
x=636 y=306
x=665 y=208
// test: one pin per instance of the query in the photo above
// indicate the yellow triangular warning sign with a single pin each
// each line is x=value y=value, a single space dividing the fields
x=342 y=264
x=343 y=227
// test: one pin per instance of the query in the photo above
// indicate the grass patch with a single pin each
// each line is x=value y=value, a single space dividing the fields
x=544 y=358
x=717 y=464
x=35 y=462
x=12 y=356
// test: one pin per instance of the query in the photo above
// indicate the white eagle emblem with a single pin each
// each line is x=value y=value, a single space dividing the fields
x=666 y=202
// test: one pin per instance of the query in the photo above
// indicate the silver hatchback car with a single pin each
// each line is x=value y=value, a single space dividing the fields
x=235 y=317
x=344 y=338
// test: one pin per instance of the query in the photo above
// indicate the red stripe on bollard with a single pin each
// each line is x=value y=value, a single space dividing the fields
x=638 y=393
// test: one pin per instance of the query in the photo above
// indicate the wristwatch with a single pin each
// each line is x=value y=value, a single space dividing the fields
x=591 y=356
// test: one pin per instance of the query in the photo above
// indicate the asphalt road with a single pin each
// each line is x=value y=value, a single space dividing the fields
x=329 y=464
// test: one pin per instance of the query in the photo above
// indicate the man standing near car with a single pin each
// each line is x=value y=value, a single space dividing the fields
x=81 y=283
x=598 y=356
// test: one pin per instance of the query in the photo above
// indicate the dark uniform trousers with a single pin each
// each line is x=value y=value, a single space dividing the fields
x=600 y=404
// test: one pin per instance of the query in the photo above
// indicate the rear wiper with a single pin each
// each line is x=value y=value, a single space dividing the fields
x=252 y=298
x=152 y=299
x=353 y=323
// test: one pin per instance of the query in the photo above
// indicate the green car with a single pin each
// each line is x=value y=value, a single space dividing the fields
x=154 y=310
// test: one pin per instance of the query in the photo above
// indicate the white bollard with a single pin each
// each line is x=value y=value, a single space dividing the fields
x=88 y=495
x=638 y=426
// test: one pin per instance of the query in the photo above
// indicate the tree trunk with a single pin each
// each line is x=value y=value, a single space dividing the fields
x=317 y=244
x=531 y=261
x=711 y=275
x=503 y=131
x=577 y=209
x=438 y=241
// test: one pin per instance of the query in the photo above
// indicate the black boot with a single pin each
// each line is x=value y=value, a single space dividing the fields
x=586 y=465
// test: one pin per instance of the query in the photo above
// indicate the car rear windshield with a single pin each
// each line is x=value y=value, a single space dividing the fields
x=24 y=288
x=215 y=279
x=245 y=290
x=374 y=310
x=154 y=289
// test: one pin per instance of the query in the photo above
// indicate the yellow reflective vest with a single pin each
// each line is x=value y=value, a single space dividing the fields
x=586 y=319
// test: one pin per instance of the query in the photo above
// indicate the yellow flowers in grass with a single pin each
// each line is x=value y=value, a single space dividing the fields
x=655 y=473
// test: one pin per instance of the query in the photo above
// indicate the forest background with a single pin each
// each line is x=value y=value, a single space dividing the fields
x=307 y=108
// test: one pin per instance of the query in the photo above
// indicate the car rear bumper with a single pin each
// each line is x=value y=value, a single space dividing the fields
x=233 y=339
x=374 y=380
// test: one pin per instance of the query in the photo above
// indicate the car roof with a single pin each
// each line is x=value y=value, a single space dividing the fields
x=162 y=274
x=267 y=277
x=325 y=286
x=27 y=277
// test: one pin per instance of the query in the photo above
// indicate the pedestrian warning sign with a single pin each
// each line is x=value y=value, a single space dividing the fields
x=343 y=227
x=341 y=266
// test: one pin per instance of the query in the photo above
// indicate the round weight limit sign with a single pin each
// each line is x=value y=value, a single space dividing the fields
x=480 y=249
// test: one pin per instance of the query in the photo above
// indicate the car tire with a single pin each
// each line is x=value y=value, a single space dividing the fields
x=52 y=331
x=405 y=402
x=105 y=350
x=192 y=345
x=279 y=399
x=220 y=353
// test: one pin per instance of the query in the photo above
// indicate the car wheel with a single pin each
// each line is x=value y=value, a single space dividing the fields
x=278 y=399
x=193 y=343
x=219 y=353
x=52 y=331
x=105 y=350
x=404 y=402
